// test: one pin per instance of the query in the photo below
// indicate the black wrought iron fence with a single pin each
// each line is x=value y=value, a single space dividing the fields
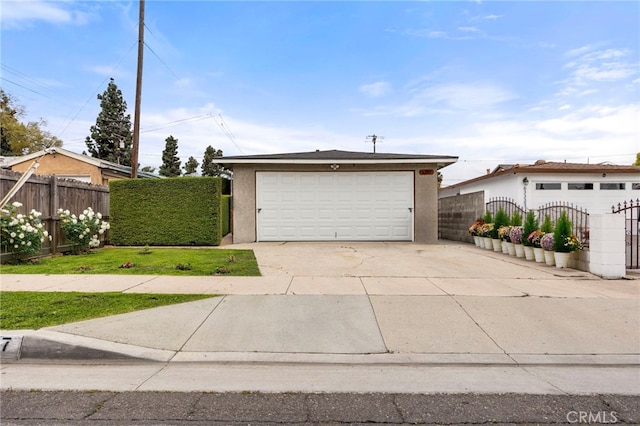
x=578 y=216
x=631 y=212
x=508 y=205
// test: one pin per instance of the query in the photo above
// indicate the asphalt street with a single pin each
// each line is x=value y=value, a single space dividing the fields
x=203 y=408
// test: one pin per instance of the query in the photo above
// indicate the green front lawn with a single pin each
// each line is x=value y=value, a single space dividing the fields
x=34 y=310
x=141 y=261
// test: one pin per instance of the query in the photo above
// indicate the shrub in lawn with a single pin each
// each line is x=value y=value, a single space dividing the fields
x=82 y=231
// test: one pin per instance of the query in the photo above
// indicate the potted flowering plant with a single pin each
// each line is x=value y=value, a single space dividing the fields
x=546 y=242
x=516 y=239
x=534 y=241
x=474 y=230
x=487 y=229
x=501 y=219
x=505 y=235
x=564 y=242
x=572 y=243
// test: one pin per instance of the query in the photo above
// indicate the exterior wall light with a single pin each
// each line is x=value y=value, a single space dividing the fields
x=334 y=167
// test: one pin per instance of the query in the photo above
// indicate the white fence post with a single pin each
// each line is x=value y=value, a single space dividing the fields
x=607 y=245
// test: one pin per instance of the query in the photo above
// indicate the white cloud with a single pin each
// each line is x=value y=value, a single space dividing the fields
x=15 y=13
x=469 y=96
x=599 y=65
x=469 y=29
x=376 y=89
x=107 y=71
x=595 y=120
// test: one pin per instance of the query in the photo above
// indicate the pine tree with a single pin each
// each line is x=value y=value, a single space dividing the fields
x=191 y=166
x=530 y=225
x=209 y=168
x=170 y=162
x=111 y=136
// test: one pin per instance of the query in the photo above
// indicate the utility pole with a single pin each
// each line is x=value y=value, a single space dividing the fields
x=374 y=139
x=136 y=121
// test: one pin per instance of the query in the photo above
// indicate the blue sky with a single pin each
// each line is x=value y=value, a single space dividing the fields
x=488 y=81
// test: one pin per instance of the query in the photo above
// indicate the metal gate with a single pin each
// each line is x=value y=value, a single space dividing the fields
x=631 y=211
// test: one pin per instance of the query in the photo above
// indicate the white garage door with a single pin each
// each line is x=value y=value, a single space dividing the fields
x=307 y=206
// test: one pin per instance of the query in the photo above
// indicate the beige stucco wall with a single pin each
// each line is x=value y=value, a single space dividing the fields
x=58 y=164
x=244 y=195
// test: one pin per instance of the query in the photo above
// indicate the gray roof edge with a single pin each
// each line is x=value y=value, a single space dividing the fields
x=321 y=157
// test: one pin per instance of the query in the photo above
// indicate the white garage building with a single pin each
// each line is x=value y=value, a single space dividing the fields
x=335 y=196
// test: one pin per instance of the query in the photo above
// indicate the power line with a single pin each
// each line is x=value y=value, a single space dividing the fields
x=161 y=61
x=224 y=127
x=31 y=90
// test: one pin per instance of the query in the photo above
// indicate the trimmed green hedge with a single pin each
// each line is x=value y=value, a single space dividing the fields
x=169 y=212
x=225 y=214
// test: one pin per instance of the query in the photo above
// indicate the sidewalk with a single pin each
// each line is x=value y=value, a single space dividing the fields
x=427 y=319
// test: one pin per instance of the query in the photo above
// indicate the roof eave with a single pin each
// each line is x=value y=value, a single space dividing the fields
x=440 y=161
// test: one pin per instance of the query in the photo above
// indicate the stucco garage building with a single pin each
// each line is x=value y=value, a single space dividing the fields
x=335 y=196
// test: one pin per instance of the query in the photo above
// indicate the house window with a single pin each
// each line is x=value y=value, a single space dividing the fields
x=548 y=186
x=581 y=186
x=635 y=185
x=612 y=186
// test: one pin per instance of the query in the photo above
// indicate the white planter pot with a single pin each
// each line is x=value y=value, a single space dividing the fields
x=497 y=245
x=488 y=243
x=512 y=249
x=505 y=249
x=476 y=240
x=562 y=259
x=549 y=258
x=528 y=253
x=538 y=253
x=519 y=250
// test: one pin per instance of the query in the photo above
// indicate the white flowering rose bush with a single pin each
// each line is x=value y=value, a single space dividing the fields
x=84 y=230
x=21 y=234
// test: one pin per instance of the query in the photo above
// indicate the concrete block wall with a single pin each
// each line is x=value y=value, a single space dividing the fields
x=607 y=245
x=457 y=213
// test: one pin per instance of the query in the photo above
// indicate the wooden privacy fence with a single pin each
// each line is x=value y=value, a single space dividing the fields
x=47 y=194
x=631 y=212
x=578 y=216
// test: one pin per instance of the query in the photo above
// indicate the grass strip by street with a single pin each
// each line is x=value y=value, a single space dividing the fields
x=145 y=261
x=34 y=310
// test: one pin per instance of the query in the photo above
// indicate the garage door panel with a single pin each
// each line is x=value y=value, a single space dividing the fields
x=306 y=206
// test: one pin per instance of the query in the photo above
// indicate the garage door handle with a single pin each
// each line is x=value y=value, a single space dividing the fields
x=411 y=209
x=259 y=210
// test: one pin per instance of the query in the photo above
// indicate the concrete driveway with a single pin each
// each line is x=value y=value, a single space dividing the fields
x=417 y=307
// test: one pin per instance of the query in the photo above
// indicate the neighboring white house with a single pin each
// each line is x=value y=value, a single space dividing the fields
x=595 y=187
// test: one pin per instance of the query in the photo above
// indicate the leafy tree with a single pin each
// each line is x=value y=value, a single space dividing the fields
x=209 y=168
x=530 y=225
x=18 y=138
x=111 y=138
x=637 y=163
x=191 y=166
x=148 y=169
x=170 y=162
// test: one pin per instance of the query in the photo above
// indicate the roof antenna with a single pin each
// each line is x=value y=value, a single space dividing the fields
x=374 y=139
